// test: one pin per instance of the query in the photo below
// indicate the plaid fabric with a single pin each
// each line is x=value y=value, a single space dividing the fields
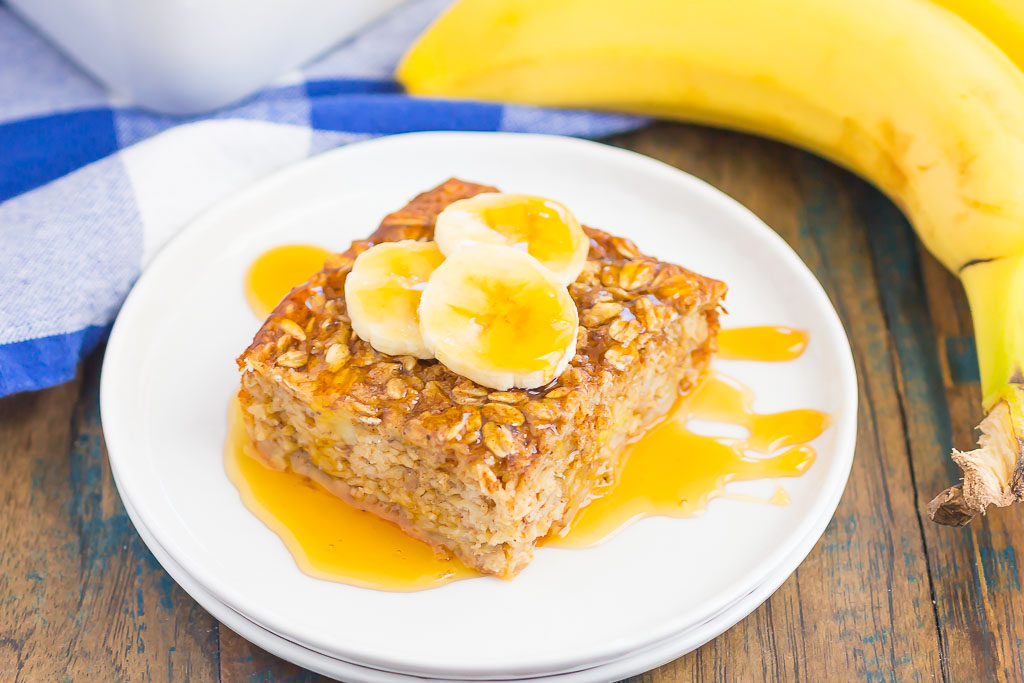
x=91 y=188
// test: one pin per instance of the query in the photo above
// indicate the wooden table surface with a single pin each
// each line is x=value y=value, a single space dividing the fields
x=885 y=595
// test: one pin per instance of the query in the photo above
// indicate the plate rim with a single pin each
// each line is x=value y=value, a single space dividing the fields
x=774 y=562
x=632 y=664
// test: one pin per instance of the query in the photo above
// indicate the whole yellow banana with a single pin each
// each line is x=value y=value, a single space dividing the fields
x=903 y=92
x=1001 y=20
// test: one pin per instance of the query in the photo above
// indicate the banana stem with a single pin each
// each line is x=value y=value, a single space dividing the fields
x=993 y=472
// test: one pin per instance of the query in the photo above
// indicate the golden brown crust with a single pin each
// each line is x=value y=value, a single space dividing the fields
x=624 y=298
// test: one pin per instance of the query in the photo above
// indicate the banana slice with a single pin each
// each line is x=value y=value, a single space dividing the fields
x=383 y=294
x=542 y=227
x=494 y=314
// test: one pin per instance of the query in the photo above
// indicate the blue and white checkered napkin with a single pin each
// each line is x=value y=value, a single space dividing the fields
x=91 y=188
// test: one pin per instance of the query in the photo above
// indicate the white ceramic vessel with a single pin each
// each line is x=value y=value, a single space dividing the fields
x=169 y=374
x=188 y=56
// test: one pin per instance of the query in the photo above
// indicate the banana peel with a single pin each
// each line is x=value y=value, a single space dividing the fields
x=993 y=472
x=906 y=93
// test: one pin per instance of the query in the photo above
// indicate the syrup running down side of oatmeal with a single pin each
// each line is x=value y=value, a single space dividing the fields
x=329 y=538
x=670 y=470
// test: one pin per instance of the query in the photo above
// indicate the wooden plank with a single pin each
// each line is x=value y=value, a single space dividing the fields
x=859 y=607
x=83 y=599
x=241 y=661
x=973 y=571
x=35 y=429
x=977 y=584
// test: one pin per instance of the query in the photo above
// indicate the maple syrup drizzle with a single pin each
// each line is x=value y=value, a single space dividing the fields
x=329 y=538
x=674 y=471
x=670 y=470
x=539 y=224
x=769 y=343
x=276 y=271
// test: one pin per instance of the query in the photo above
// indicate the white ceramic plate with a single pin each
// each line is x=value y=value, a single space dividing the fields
x=630 y=665
x=169 y=373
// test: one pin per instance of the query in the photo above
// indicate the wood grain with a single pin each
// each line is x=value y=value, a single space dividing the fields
x=977 y=584
x=82 y=595
x=885 y=595
x=241 y=661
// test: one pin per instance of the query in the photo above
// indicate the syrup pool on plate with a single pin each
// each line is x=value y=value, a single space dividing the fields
x=329 y=538
x=277 y=271
x=765 y=343
x=670 y=470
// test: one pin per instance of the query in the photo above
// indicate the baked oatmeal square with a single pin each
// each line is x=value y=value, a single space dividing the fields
x=479 y=473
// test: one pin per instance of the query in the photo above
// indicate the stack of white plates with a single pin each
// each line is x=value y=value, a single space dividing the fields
x=656 y=590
